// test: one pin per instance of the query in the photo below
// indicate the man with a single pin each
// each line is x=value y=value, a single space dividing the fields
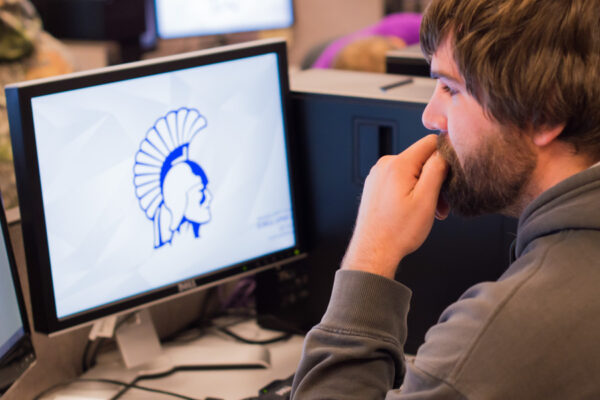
x=517 y=107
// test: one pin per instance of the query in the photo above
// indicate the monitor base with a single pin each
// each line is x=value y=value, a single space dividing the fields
x=207 y=353
x=142 y=354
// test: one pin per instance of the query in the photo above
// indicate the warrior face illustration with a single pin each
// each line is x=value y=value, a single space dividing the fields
x=171 y=188
x=185 y=192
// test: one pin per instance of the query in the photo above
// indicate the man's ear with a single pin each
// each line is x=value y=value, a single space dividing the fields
x=546 y=135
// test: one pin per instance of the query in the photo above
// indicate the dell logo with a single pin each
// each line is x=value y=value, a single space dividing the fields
x=186 y=285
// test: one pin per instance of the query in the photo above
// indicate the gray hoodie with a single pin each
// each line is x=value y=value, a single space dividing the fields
x=533 y=334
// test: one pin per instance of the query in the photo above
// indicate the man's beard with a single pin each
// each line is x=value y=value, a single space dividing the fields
x=492 y=180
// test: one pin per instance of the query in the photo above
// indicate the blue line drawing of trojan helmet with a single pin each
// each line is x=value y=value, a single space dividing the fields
x=172 y=190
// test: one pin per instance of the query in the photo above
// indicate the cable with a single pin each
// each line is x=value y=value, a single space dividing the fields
x=121 y=392
x=199 y=323
x=161 y=375
x=86 y=350
x=92 y=347
x=228 y=332
x=90 y=353
x=126 y=386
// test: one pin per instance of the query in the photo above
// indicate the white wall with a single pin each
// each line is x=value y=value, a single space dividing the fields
x=321 y=20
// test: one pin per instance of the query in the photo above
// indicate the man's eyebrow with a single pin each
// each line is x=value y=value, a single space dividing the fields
x=440 y=74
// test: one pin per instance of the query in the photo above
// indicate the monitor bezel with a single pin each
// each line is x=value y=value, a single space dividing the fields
x=223 y=32
x=24 y=344
x=30 y=195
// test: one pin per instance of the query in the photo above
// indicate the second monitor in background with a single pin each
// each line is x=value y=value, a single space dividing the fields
x=16 y=350
x=183 y=18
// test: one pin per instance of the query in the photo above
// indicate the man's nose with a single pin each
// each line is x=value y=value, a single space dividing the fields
x=434 y=116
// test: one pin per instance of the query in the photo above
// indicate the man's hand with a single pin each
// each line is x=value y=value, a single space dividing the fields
x=397 y=208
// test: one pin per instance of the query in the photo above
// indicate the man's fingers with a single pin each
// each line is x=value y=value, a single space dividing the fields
x=442 y=210
x=420 y=151
x=430 y=182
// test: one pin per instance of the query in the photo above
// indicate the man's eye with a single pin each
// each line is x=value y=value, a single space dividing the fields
x=449 y=90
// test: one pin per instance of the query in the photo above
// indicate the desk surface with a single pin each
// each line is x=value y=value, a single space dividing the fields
x=223 y=384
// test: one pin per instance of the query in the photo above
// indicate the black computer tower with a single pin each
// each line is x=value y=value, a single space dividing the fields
x=130 y=23
x=343 y=122
x=407 y=61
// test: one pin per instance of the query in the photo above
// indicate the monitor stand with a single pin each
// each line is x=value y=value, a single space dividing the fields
x=137 y=339
x=142 y=352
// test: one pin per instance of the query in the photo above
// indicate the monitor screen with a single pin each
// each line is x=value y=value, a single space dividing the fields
x=182 y=18
x=11 y=329
x=16 y=352
x=144 y=180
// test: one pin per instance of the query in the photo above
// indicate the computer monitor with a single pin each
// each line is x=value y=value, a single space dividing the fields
x=143 y=181
x=183 y=18
x=16 y=350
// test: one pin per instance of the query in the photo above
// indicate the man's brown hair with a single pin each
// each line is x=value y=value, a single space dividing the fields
x=529 y=63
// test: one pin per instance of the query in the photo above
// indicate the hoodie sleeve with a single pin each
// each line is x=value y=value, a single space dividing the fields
x=356 y=352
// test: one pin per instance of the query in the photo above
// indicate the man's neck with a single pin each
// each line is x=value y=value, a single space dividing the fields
x=556 y=163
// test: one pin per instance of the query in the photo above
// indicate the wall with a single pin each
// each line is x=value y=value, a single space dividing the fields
x=321 y=20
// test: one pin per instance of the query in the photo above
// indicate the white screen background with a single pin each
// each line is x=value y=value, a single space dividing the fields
x=101 y=243
x=10 y=317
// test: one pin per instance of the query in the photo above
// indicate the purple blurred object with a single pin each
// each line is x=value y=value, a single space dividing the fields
x=402 y=25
